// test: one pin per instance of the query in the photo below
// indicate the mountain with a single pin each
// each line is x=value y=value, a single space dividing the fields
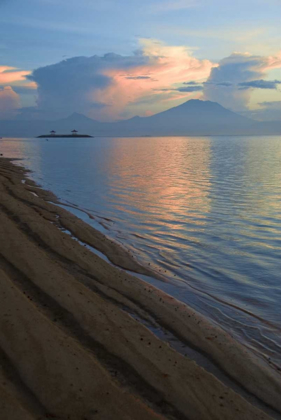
x=193 y=118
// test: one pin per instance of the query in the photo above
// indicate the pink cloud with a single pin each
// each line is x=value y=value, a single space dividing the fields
x=272 y=62
x=165 y=66
x=10 y=75
x=30 y=85
x=180 y=96
x=9 y=103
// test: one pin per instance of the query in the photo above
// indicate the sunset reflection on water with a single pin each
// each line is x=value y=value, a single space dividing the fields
x=170 y=183
x=204 y=211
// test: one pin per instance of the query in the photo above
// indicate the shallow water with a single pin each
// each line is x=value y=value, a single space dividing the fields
x=204 y=211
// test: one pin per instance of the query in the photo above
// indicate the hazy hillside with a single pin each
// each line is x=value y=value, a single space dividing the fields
x=194 y=117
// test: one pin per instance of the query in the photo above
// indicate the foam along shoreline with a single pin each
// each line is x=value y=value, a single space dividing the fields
x=70 y=350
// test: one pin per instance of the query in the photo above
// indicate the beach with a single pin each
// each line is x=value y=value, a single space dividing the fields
x=76 y=338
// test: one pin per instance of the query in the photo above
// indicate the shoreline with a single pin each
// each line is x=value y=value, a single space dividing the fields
x=57 y=292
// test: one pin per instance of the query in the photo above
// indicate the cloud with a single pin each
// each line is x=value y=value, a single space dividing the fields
x=26 y=88
x=225 y=84
x=9 y=103
x=193 y=87
x=137 y=77
x=103 y=87
x=70 y=85
x=260 y=84
x=11 y=74
x=238 y=73
x=190 y=88
x=268 y=111
x=191 y=83
x=271 y=104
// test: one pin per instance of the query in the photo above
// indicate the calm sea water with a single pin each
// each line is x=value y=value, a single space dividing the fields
x=204 y=211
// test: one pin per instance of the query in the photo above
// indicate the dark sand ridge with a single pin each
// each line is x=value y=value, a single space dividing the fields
x=69 y=351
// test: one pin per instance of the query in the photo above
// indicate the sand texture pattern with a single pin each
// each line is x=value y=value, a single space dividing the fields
x=76 y=333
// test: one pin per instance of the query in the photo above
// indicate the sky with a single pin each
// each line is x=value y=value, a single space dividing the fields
x=114 y=59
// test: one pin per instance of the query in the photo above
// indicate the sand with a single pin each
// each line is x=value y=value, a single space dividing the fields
x=75 y=336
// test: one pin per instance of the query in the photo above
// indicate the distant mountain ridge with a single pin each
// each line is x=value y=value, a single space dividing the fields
x=193 y=118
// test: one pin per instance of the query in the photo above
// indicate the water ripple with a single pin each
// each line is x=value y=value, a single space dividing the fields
x=204 y=211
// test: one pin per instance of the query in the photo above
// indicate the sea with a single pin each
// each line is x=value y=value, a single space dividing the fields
x=204 y=212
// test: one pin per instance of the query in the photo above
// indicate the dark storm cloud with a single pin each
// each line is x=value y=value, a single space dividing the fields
x=260 y=84
x=192 y=83
x=224 y=84
x=71 y=85
x=137 y=77
x=190 y=88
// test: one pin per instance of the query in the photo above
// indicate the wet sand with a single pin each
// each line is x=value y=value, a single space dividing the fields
x=74 y=336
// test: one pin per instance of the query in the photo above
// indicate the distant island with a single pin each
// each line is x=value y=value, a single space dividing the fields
x=73 y=133
x=56 y=136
